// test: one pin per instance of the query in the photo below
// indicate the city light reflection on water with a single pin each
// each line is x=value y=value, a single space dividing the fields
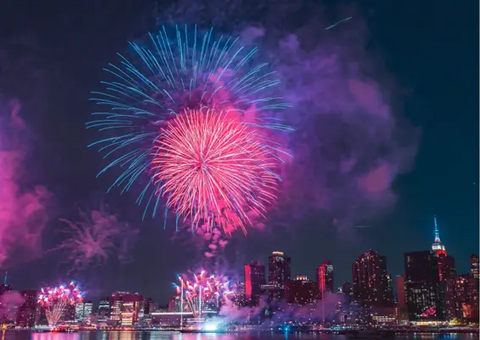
x=115 y=335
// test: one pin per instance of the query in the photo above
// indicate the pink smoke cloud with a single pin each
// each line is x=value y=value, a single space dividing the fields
x=23 y=211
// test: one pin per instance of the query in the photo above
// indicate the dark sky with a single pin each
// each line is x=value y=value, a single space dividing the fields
x=56 y=51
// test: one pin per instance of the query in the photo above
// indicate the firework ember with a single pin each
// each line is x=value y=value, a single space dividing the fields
x=55 y=301
x=214 y=169
x=204 y=293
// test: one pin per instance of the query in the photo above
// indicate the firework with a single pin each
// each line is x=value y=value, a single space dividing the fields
x=213 y=168
x=55 y=301
x=94 y=238
x=204 y=293
x=173 y=78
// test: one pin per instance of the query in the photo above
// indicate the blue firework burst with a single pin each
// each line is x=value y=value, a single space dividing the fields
x=161 y=79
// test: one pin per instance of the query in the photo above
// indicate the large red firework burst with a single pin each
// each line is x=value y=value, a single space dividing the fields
x=215 y=169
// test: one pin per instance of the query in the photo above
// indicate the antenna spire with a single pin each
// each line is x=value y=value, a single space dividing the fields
x=437 y=233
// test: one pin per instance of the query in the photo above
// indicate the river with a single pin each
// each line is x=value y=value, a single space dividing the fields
x=115 y=335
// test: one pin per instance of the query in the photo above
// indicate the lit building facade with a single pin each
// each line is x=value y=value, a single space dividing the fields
x=474 y=266
x=302 y=291
x=371 y=285
x=325 y=279
x=437 y=247
x=127 y=309
x=83 y=309
x=423 y=289
x=446 y=267
x=254 y=280
x=279 y=273
x=461 y=298
x=104 y=310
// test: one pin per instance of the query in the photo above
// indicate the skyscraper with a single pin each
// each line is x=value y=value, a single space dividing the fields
x=126 y=308
x=279 y=273
x=446 y=263
x=325 y=279
x=371 y=281
x=446 y=267
x=475 y=266
x=254 y=279
x=401 y=300
x=461 y=297
x=422 y=286
x=302 y=291
x=104 y=310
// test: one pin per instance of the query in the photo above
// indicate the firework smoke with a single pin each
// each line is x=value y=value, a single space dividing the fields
x=351 y=141
x=10 y=301
x=23 y=212
x=95 y=238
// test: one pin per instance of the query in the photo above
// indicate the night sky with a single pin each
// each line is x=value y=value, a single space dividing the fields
x=51 y=57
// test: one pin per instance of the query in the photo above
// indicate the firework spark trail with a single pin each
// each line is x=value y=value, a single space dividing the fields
x=93 y=239
x=214 y=169
x=204 y=293
x=55 y=300
x=337 y=23
x=160 y=82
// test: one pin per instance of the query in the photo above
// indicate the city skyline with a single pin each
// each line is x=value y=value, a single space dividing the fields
x=358 y=183
x=259 y=273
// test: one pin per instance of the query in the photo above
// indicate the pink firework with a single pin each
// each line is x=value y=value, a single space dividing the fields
x=55 y=300
x=215 y=170
x=203 y=293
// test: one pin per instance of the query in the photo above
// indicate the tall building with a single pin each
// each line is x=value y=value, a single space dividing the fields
x=370 y=280
x=325 y=279
x=422 y=286
x=446 y=263
x=126 y=308
x=104 y=310
x=446 y=267
x=254 y=280
x=79 y=311
x=302 y=291
x=461 y=298
x=474 y=266
x=401 y=299
x=149 y=306
x=279 y=273
x=437 y=247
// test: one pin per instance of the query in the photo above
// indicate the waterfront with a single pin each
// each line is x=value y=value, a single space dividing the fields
x=137 y=335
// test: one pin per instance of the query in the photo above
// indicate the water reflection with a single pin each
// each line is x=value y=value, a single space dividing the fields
x=21 y=335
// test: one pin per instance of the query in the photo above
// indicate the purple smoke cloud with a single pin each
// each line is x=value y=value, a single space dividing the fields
x=351 y=140
x=10 y=301
x=23 y=211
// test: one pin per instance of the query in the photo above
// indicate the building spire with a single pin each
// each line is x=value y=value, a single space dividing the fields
x=437 y=233
x=437 y=247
